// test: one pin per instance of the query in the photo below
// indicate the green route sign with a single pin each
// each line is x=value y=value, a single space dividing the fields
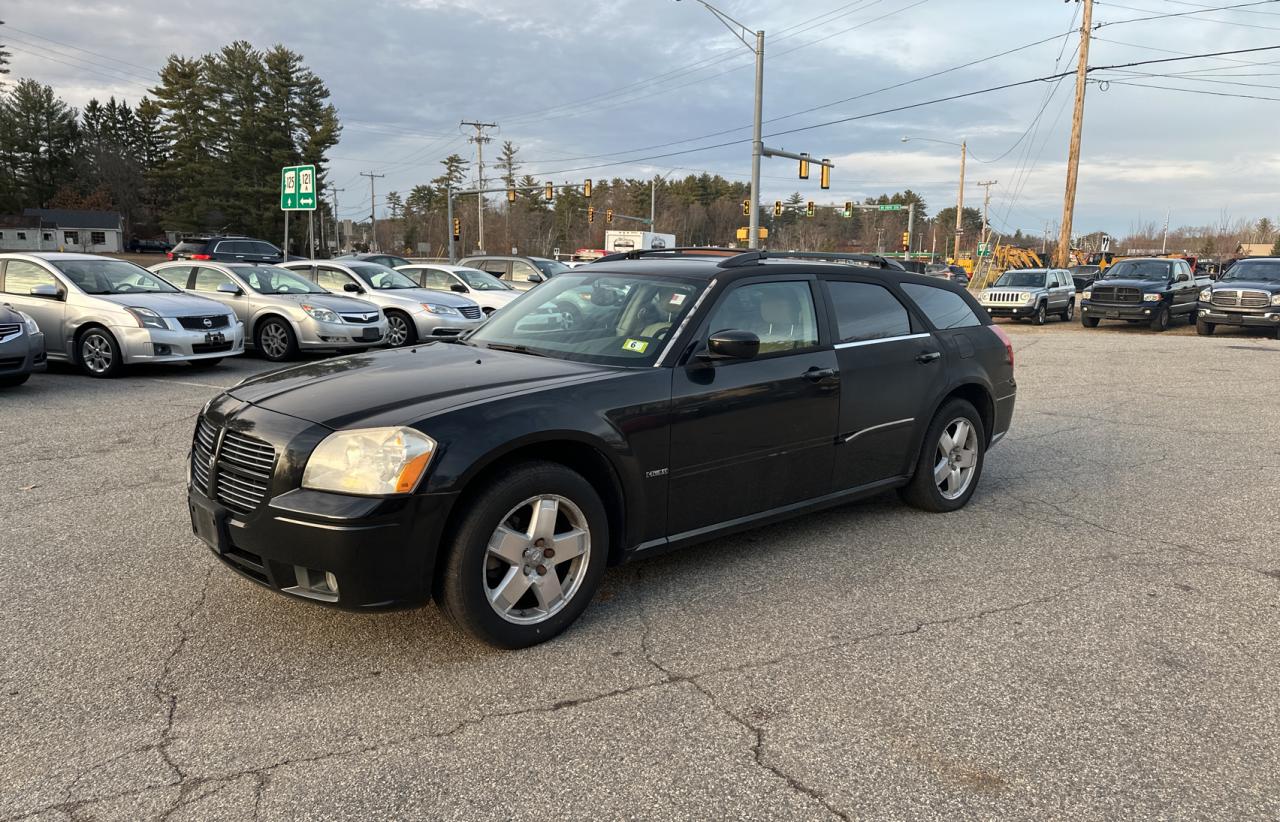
x=298 y=188
x=893 y=208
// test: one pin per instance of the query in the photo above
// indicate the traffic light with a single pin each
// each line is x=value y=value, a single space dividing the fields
x=457 y=228
x=608 y=216
x=809 y=209
x=804 y=166
x=511 y=195
x=746 y=208
x=824 y=174
x=906 y=241
x=777 y=208
x=591 y=214
x=848 y=208
x=550 y=192
x=586 y=189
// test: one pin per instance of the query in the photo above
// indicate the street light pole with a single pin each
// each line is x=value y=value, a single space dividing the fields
x=964 y=154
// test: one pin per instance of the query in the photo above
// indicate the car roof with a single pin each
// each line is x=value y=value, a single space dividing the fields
x=732 y=264
x=440 y=266
x=56 y=255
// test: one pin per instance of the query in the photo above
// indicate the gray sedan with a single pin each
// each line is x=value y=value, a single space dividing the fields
x=21 y=347
x=283 y=311
x=413 y=313
x=102 y=314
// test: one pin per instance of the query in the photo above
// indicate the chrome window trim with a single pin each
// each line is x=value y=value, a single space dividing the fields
x=893 y=424
x=857 y=343
x=671 y=341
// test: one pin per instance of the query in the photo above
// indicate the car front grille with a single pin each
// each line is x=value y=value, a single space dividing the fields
x=1003 y=297
x=1116 y=294
x=360 y=319
x=471 y=312
x=1241 y=298
x=240 y=465
x=204 y=323
x=8 y=330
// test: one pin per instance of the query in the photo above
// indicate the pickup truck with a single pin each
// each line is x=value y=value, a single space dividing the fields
x=1248 y=295
x=1154 y=291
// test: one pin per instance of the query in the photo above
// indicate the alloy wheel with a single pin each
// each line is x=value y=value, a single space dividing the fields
x=397 y=330
x=97 y=353
x=956 y=459
x=275 y=341
x=536 y=559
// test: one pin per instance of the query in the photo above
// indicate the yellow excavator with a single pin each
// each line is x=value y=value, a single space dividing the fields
x=987 y=270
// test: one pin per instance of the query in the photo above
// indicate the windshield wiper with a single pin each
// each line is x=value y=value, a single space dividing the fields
x=517 y=349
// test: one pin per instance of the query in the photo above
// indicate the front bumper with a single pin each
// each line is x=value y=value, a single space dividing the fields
x=1007 y=310
x=22 y=355
x=153 y=345
x=316 y=334
x=1248 y=317
x=443 y=325
x=1119 y=311
x=380 y=551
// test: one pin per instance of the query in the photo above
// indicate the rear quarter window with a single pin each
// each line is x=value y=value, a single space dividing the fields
x=189 y=248
x=945 y=309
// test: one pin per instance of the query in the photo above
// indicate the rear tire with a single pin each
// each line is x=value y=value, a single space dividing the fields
x=493 y=581
x=949 y=468
x=1205 y=329
x=1069 y=313
x=1089 y=322
x=98 y=353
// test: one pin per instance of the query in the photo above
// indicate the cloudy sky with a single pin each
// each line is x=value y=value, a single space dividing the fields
x=598 y=89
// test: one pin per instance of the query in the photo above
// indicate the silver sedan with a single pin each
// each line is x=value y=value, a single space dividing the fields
x=283 y=312
x=102 y=314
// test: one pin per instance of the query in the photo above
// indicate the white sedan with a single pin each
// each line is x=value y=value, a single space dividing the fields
x=488 y=291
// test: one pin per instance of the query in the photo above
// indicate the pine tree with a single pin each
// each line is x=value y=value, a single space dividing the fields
x=508 y=164
x=38 y=139
x=455 y=172
x=1275 y=249
x=4 y=57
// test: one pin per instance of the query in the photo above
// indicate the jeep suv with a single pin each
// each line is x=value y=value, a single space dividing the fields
x=709 y=392
x=1031 y=294
x=1248 y=295
x=227 y=249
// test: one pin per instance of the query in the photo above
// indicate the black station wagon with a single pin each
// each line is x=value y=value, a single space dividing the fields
x=698 y=393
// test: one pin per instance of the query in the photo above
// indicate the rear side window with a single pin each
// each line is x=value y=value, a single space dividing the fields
x=265 y=249
x=945 y=309
x=865 y=311
x=189 y=248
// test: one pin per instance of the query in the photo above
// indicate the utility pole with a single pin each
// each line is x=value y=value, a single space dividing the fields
x=1164 y=235
x=479 y=139
x=1077 y=125
x=964 y=155
x=986 y=207
x=880 y=240
x=373 y=216
x=337 y=229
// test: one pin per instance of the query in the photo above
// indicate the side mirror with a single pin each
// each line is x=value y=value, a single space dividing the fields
x=535 y=278
x=352 y=288
x=48 y=292
x=733 y=345
x=230 y=288
x=459 y=288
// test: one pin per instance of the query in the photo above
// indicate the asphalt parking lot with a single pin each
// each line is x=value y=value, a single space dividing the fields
x=1094 y=637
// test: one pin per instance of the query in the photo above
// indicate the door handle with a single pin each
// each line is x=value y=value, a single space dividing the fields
x=928 y=357
x=816 y=374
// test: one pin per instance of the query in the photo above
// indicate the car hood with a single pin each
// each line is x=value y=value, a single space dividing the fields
x=166 y=305
x=1255 y=285
x=404 y=385
x=503 y=297
x=333 y=302
x=418 y=296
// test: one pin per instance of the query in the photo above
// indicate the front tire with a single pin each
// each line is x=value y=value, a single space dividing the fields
x=13 y=382
x=1041 y=315
x=1160 y=322
x=1089 y=322
x=950 y=462
x=527 y=557
x=99 y=354
x=1205 y=329
x=400 y=329
x=275 y=340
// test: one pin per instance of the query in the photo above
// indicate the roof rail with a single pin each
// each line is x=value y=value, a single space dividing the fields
x=679 y=251
x=866 y=260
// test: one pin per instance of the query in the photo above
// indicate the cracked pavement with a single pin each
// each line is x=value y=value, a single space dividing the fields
x=1095 y=636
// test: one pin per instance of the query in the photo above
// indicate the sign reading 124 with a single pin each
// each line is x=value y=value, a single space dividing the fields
x=298 y=188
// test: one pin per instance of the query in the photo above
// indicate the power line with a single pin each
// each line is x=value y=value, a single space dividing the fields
x=9 y=27
x=1193 y=91
x=1186 y=14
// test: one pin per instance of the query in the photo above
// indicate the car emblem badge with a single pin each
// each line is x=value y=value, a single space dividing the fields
x=208 y=323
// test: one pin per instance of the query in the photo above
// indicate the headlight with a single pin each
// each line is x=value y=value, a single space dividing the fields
x=1275 y=299
x=1152 y=298
x=147 y=318
x=435 y=308
x=369 y=461
x=30 y=322
x=1088 y=294
x=1025 y=297
x=324 y=315
x=1206 y=295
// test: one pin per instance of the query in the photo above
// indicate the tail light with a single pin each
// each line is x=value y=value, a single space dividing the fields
x=201 y=257
x=168 y=255
x=1004 y=338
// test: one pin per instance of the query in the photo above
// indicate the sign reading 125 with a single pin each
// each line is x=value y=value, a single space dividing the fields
x=298 y=188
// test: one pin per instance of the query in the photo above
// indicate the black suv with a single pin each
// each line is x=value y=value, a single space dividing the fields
x=501 y=473
x=1153 y=291
x=227 y=249
x=1248 y=295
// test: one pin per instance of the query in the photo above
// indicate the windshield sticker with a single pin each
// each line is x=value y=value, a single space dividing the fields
x=677 y=299
x=638 y=346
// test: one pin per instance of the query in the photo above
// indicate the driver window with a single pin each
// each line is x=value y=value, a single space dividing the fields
x=208 y=280
x=436 y=280
x=780 y=314
x=1184 y=272
x=521 y=271
x=331 y=280
x=21 y=276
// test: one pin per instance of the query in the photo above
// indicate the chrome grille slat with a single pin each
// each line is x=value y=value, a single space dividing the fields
x=358 y=319
x=8 y=330
x=471 y=312
x=243 y=467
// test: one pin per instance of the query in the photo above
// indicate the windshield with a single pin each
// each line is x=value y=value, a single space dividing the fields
x=1084 y=269
x=381 y=278
x=1022 y=279
x=482 y=280
x=612 y=319
x=112 y=277
x=550 y=267
x=1256 y=270
x=1139 y=270
x=267 y=279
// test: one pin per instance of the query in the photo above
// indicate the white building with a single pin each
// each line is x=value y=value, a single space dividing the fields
x=21 y=233
x=94 y=232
